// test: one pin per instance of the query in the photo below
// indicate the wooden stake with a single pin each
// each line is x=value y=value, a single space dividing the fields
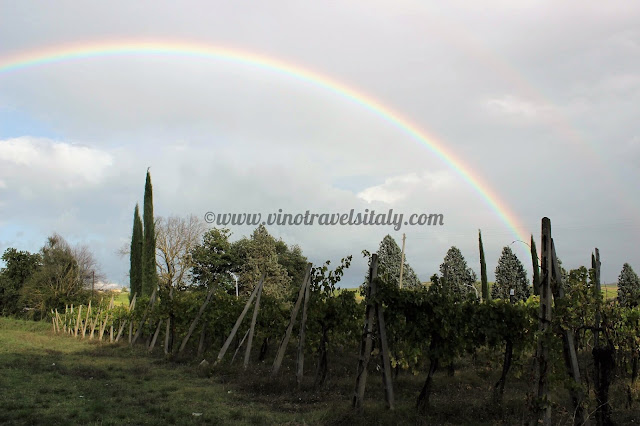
x=75 y=332
x=234 y=330
x=124 y=322
x=152 y=301
x=544 y=408
x=103 y=326
x=86 y=320
x=595 y=264
x=294 y=313
x=303 y=326
x=194 y=323
x=167 y=334
x=366 y=344
x=256 y=308
x=239 y=346
x=203 y=335
x=568 y=347
x=384 y=353
x=155 y=336
x=404 y=237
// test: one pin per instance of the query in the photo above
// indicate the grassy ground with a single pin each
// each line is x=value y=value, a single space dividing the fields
x=52 y=379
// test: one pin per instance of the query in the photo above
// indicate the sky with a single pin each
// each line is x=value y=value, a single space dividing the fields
x=494 y=114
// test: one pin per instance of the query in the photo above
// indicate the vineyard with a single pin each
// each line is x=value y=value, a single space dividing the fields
x=568 y=355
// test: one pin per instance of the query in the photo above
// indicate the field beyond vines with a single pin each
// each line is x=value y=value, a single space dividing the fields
x=58 y=379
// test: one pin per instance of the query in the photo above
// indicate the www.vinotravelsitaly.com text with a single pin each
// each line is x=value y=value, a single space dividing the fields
x=351 y=218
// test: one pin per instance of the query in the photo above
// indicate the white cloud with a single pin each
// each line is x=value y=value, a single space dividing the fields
x=398 y=188
x=49 y=162
x=519 y=108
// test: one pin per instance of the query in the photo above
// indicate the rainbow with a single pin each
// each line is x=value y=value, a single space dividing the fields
x=55 y=54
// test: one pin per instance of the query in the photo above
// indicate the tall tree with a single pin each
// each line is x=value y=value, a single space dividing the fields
x=214 y=259
x=456 y=276
x=628 y=287
x=176 y=237
x=292 y=259
x=62 y=278
x=149 y=274
x=19 y=267
x=389 y=260
x=510 y=274
x=258 y=255
x=135 y=256
x=483 y=269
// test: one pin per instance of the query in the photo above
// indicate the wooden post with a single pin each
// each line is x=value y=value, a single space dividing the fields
x=103 y=326
x=595 y=264
x=94 y=323
x=168 y=338
x=301 y=337
x=75 y=330
x=384 y=353
x=580 y=417
x=543 y=406
x=536 y=268
x=86 y=320
x=194 y=323
x=155 y=336
x=294 y=313
x=132 y=304
x=247 y=354
x=366 y=343
x=234 y=330
x=404 y=237
x=239 y=346
x=203 y=336
x=152 y=301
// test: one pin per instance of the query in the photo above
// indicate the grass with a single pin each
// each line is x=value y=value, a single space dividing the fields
x=121 y=298
x=610 y=291
x=49 y=379
x=57 y=379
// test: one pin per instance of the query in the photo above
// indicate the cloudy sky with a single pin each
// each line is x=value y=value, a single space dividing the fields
x=537 y=100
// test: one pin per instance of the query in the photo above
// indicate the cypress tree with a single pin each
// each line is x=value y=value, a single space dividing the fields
x=536 y=269
x=628 y=287
x=510 y=274
x=149 y=274
x=483 y=269
x=456 y=276
x=135 y=271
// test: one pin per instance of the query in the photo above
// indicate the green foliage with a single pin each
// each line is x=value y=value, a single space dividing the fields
x=293 y=261
x=19 y=267
x=135 y=255
x=330 y=310
x=149 y=272
x=333 y=317
x=510 y=274
x=455 y=276
x=258 y=255
x=499 y=321
x=628 y=287
x=58 y=282
x=214 y=260
x=389 y=260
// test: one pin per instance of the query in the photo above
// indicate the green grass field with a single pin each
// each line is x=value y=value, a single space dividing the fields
x=56 y=379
